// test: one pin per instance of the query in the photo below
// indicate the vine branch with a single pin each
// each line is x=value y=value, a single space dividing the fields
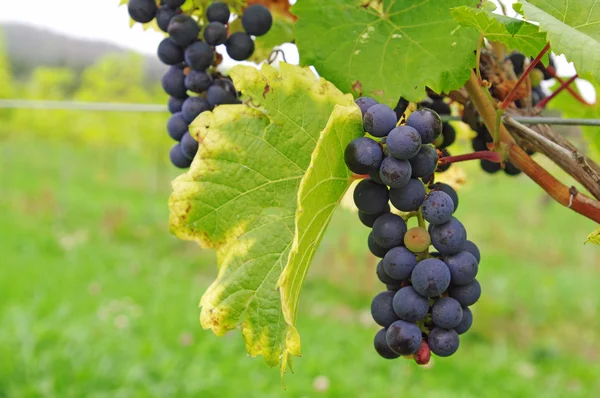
x=549 y=98
x=566 y=159
x=509 y=98
x=564 y=195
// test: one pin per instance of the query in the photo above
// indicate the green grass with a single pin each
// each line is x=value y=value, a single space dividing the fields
x=97 y=299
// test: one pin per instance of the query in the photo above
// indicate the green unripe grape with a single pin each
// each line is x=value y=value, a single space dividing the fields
x=417 y=239
x=439 y=141
x=536 y=77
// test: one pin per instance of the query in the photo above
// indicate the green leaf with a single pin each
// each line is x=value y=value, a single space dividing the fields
x=594 y=237
x=516 y=34
x=260 y=191
x=573 y=29
x=571 y=108
x=387 y=53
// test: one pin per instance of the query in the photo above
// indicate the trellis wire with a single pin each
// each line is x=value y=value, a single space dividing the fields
x=157 y=108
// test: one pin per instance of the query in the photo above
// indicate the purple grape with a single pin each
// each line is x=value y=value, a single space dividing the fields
x=240 y=46
x=383 y=276
x=425 y=162
x=177 y=126
x=218 y=12
x=409 y=197
x=399 y=263
x=377 y=250
x=466 y=295
x=197 y=81
x=403 y=142
x=395 y=173
x=442 y=342
x=142 y=11
x=409 y=305
x=389 y=230
x=382 y=309
x=194 y=106
x=178 y=158
x=430 y=277
x=215 y=33
x=463 y=267
x=173 y=82
x=403 y=337
x=379 y=120
x=440 y=186
x=446 y=313
x=183 y=30
x=437 y=208
x=473 y=249
x=257 y=20
x=363 y=155
x=382 y=347
x=449 y=238
x=370 y=197
x=465 y=322
x=364 y=103
x=427 y=123
x=199 y=56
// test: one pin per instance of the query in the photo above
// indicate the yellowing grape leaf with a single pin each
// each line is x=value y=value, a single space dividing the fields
x=573 y=29
x=261 y=191
x=594 y=237
x=516 y=34
x=393 y=50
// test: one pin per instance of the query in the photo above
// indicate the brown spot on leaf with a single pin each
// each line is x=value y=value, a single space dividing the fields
x=357 y=86
x=266 y=91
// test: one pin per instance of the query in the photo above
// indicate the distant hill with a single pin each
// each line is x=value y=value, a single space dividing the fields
x=29 y=46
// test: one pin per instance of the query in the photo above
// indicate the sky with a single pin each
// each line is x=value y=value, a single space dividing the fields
x=105 y=20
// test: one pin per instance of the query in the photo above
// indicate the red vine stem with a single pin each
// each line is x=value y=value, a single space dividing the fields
x=486 y=155
x=564 y=195
x=574 y=93
x=509 y=98
x=549 y=98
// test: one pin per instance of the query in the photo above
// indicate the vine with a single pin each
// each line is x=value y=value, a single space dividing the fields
x=272 y=151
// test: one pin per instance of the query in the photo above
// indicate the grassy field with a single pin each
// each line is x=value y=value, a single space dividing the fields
x=97 y=299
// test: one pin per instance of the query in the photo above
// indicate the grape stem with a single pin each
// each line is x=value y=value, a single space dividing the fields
x=420 y=219
x=478 y=56
x=549 y=98
x=574 y=93
x=486 y=155
x=564 y=195
x=511 y=95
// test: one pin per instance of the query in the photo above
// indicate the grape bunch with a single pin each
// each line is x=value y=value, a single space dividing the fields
x=426 y=305
x=193 y=84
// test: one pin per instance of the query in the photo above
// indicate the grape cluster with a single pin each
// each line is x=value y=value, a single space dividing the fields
x=426 y=304
x=191 y=81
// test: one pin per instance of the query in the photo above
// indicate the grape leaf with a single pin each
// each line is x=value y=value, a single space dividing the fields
x=516 y=34
x=263 y=185
x=573 y=29
x=594 y=237
x=389 y=52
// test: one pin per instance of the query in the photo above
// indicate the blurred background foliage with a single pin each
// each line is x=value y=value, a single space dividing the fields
x=97 y=299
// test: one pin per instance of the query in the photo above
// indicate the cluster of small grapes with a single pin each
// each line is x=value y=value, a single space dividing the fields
x=426 y=305
x=191 y=61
